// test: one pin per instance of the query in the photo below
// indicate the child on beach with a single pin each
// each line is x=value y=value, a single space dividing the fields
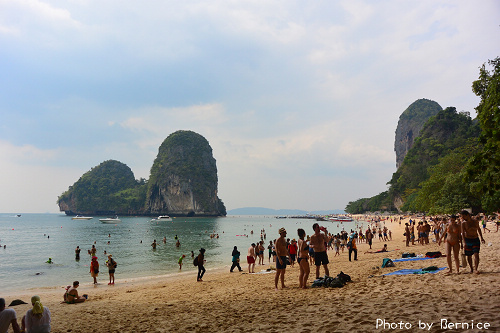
x=180 y=261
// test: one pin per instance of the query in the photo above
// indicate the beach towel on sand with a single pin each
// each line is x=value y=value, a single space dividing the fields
x=412 y=259
x=415 y=271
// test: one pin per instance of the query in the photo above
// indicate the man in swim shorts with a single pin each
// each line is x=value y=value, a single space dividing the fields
x=281 y=259
x=251 y=258
x=318 y=241
x=472 y=245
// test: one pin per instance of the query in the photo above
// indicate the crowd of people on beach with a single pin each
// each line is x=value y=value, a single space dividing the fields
x=460 y=232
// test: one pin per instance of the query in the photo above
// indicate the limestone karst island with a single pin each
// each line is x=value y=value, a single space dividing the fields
x=183 y=182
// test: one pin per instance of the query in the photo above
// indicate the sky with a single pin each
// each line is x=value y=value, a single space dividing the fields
x=299 y=100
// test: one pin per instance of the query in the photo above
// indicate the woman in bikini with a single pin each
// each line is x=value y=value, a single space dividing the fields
x=303 y=259
x=453 y=241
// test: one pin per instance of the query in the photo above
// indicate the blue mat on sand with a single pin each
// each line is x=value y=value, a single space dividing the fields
x=412 y=259
x=414 y=271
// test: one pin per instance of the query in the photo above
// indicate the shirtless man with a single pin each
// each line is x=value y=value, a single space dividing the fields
x=281 y=259
x=453 y=241
x=251 y=258
x=470 y=231
x=317 y=243
x=407 y=234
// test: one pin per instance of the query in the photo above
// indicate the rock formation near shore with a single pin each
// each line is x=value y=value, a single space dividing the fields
x=183 y=178
x=183 y=182
x=410 y=124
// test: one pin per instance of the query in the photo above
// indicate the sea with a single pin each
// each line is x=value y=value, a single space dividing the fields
x=28 y=241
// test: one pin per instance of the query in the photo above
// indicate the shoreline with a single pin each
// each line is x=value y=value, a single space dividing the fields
x=178 y=303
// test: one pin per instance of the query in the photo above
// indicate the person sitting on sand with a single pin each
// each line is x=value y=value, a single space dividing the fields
x=384 y=249
x=453 y=240
x=470 y=232
x=71 y=295
x=36 y=319
x=7 y=318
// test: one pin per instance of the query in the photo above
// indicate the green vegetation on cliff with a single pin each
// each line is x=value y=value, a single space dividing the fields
x=108 y=187
x=454 y=163
x=183 y=182
x=184 y=162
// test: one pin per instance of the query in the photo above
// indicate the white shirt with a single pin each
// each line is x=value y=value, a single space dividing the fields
x=6 y=317
x=35 y=324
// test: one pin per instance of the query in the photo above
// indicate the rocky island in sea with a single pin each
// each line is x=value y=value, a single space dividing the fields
x=183 y=182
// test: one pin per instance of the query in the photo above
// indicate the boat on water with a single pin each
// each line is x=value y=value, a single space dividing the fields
x=111 y=220
x=81 y=217
x=340 y=219
x=162 y=218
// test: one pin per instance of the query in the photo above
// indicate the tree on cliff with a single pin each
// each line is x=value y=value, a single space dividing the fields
x=483 y=170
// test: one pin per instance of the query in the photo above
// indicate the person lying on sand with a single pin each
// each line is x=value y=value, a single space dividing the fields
x=384 y=249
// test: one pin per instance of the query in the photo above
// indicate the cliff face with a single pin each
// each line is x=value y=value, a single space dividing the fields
x=183 y=182
x=183 y=178
x=96 y=190
x=410 y=124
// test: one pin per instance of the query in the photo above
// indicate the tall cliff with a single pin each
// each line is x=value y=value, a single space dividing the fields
x=183 y=178
x=410 y=124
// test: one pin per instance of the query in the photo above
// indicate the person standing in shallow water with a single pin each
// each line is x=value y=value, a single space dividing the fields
x=201 y=268
x=77 y=253
x=94 y=268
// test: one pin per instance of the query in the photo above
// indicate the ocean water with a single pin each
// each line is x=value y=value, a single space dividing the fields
x=32 y=238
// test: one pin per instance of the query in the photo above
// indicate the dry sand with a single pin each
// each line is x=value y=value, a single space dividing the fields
x=236 y=302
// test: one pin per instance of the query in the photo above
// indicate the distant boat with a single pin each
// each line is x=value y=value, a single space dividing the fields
x=81 y=217
x=18 y=215
x=340 y=219
x=111 y=220
x=162 y=218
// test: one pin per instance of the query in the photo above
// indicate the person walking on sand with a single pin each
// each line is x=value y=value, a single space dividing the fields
x=318 y=241
x=281 y=259
x=353 y=247
x=453 y=234
x=302 y=259
x=470 y=232
x=201 y=268
x=111 y=263
x=251 y=258
x=94 y=268
x=235 y=260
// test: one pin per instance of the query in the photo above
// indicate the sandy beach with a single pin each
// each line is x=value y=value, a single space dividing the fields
x=236 y=302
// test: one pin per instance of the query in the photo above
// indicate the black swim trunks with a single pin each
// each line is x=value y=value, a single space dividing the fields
x=320 y=258
x=281 y=266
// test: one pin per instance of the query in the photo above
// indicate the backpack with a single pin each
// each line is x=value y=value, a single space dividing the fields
x=195 y=261
x=386 y=262
x=344 y=277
